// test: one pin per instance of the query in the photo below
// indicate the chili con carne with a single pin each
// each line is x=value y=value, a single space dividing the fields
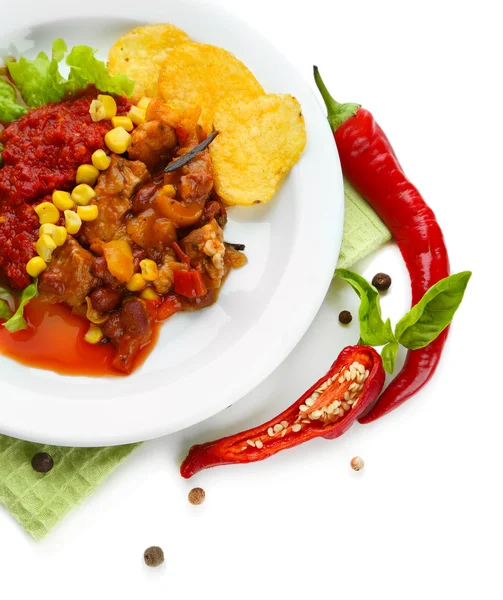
x=327 y=409
x=370 y=164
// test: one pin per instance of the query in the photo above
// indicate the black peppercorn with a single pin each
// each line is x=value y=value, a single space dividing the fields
x=381 y=281
x=42 y=462
x=153 y=556
x=345 y=317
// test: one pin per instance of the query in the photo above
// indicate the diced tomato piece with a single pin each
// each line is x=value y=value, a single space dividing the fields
x=189 y=283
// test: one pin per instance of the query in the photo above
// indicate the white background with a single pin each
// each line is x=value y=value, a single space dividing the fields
x=423 y=519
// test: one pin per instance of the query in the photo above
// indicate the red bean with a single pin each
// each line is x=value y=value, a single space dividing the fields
x=144 y=197
x=105 y=299
x=134 y=318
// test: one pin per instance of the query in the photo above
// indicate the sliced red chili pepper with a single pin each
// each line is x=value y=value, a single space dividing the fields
x=189 y=283
x=370 y=163
x=181 y=254
x=170 y=305
x=327 y=409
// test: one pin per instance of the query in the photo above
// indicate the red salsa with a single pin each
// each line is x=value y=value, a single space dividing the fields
x=41 y=152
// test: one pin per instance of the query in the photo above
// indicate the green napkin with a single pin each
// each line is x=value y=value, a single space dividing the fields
x=38 y=501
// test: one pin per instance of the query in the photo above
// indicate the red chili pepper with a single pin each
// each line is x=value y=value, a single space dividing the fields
x=370 y=164
x=189 y=283
x=181 y=254
x=170 y=305
x=327 y=409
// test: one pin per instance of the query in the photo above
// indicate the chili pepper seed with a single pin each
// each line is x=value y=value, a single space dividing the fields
x=42 y=462
x=357 y=463
x=197 y=496
x=153 y=556
x=345 y=317
x=381 y=281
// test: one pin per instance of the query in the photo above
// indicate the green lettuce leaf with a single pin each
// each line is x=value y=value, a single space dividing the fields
x=9 y=108
x=85 y=69
x=6 y=301
x=17 y=321
x=40 y=82
x=5 y=312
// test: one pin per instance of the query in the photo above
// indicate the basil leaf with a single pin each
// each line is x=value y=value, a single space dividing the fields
x=388 y=355
x=17 y=321
x=373 y=330
x=431 y=315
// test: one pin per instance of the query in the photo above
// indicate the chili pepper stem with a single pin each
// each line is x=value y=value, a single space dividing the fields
x=337 y=113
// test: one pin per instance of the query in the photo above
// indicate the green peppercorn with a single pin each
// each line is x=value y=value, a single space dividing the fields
x=42 y=462
x=345 y=317
x=153 y=556
x=381 y=281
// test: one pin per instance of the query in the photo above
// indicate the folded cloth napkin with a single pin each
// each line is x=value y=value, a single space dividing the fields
x=38 y=501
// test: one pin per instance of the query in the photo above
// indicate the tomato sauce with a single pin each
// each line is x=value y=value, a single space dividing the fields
x=42 y=152
x=55 y=341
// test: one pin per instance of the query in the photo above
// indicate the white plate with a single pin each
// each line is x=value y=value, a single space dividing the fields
x=204 y=361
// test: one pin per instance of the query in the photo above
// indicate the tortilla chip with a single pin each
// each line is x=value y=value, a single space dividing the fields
x=205 y=76
x=258 y=143
x=140 y=53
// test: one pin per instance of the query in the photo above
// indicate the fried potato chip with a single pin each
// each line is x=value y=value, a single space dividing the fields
x=205 y=76
x=258 y=143
x=140 y=53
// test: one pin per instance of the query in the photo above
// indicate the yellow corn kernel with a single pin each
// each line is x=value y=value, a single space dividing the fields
x=88 y=213
x=82 y=194
x=136 y=283
x=118 y=140
x=94 y=334
x=168 y=190
x=47 y=213
x=87 y=174
x=100 y=160
x=104 y=107
x=97 y=111
x=60 y=236
x=62 y=200
x=47 y=229
x=72 y=222
x=144 y=102
x=45 y=247
x=137 y=115
x=149 y=294
x=35 y=266
x=109 y=104
x=123 y=122
x=149 y=270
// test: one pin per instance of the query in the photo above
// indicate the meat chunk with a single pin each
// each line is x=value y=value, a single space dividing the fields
x=153 y=143
x=205 y=248
x=129 y=330
x=68 y=278
x=152 y=233
x=114 y=192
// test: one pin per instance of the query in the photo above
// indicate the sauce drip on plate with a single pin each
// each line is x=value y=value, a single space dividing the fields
x=54 y=340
